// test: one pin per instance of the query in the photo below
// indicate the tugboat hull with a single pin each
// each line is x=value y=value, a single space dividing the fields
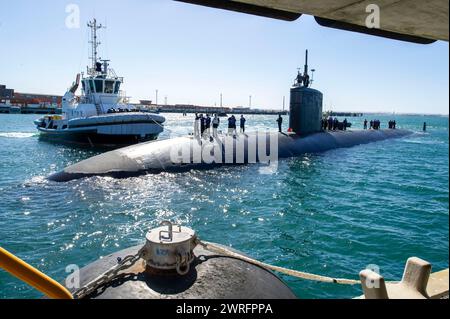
x=103 y=131
x=92 y=139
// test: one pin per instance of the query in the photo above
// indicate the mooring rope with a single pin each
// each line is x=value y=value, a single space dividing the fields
x=156 y=122
x=162 y=126
x=294 y=273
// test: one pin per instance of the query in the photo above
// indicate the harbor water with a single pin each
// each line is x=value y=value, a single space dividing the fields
x=331 y=214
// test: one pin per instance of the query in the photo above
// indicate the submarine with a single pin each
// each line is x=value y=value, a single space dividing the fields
x=306 y=135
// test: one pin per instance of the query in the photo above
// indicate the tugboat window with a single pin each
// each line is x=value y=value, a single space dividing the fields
x=84 y=86
x=109 y=86
x=117 y=87
x=91 y=86
x=99 y=86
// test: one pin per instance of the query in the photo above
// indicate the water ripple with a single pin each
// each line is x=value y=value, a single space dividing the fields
x=331 y=213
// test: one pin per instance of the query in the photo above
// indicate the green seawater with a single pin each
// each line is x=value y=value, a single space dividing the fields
x=332 y=213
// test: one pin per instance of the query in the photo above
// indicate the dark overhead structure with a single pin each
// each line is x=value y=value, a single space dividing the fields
x=249 y=8
x=415 y=21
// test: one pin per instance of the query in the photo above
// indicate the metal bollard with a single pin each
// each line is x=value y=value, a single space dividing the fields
x=416 y=275
x=412 y=286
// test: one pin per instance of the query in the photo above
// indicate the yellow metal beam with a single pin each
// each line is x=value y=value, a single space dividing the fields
x=33 y=277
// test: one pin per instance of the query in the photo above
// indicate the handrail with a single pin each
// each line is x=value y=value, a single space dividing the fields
x=32 y=276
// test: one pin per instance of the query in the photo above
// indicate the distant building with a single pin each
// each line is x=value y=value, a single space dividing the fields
x=25 y=99
x=32 y=98
x=240 y=109
x=146 y=102
x=6 y=94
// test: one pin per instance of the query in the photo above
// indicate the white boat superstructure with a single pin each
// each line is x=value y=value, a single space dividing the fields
x=101 y=114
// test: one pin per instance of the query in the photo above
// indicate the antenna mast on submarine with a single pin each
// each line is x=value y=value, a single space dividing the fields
x=305 y=72
x=303 y=79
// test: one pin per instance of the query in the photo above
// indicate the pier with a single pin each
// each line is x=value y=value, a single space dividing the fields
x=12 y=102
x=13 y=109
x=347 y=114
x=192 y=109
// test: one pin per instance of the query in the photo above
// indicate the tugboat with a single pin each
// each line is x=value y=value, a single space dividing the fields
x=101 y=116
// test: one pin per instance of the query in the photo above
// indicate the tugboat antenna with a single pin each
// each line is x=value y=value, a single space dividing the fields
x=94 y=27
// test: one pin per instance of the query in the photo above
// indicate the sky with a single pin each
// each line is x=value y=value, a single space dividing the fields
x=192 y=54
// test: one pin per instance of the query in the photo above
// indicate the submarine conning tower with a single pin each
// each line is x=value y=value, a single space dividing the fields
x=305 y=113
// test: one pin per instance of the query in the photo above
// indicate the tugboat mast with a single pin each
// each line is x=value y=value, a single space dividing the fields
x=94 y=43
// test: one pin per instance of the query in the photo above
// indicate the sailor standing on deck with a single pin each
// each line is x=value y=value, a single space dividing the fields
x=232 y=125
x=243 y=120
x=202 y=124
x=196 y=125
x=215 y=123
x=365 y=124
x=208 y=125
x=280 y=122
x=335 y=124
x=345 y=124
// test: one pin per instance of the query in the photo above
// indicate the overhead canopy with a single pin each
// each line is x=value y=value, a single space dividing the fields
x=408 y=20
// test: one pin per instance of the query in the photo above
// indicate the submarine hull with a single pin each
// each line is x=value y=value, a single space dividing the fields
x=158 y=156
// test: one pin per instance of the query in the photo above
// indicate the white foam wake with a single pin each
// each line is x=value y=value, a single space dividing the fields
x=16 y=134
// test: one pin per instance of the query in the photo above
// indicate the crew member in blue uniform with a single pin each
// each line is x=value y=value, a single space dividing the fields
x=242 y=122
x=335 y=123
x=232 y=125
x=215 y=123
x=280 y=122
x=208 y=125
x=324 y=124
x=196 y=125
x=202 y=124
